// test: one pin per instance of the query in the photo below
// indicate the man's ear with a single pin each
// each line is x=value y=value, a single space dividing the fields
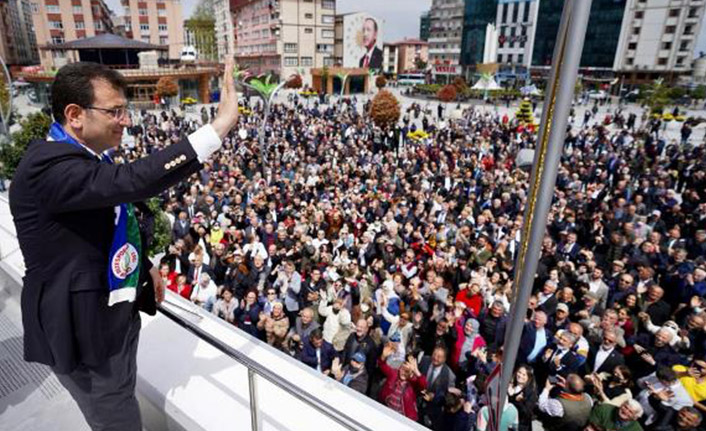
x=74 y=116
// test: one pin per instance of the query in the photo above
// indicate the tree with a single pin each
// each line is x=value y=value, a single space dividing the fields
x=420 y=64
x=656 y=95
x=699 y=92
x=167 y=87
x=460 y=84
x=447 y=93
x=385 y=109
x=380 y=82
x=35 y=126
x=294 y=82
x=204 y=9
x=161 y=235
x=204 y=31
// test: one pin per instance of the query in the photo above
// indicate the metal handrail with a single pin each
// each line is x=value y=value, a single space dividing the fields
x=255 y=368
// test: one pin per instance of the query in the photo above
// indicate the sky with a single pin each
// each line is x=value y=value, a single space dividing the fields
x=401 y=16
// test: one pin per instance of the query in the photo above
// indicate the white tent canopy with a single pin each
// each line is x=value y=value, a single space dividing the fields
x=486 y=83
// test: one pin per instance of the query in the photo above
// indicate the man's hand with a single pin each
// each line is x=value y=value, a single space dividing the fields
x=158 y=285
x=227 y=116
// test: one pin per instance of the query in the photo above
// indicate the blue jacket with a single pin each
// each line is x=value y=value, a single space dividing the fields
x=308 y=355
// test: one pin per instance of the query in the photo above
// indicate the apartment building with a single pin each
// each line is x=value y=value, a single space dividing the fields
x=225 y=28
x=445 y=31
x=58 y=21
x=424 y=24
x=18 y=46
x=158 y=22
x=283 y=37
x=403 y=56
x=658 y=39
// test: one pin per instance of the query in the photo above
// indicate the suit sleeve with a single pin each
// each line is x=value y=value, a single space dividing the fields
x=64 y=182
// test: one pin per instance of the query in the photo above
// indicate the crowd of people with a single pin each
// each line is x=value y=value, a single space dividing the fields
x=387 y=263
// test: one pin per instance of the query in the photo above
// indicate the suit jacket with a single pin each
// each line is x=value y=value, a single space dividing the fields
x=443 y=381
x=179 y=231
x=529 y=335
x=205 y=269
x=614 y=359
x=62 y=201
x=375 y=59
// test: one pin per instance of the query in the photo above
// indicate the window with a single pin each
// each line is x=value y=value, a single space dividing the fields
x=688 y=29
x=144 y=27
x=684 y=46
x=290 y=47
x=639 y=14
x=670 y=29
x=662 y=61
x=680 y=60
x=328 y=61
x=327 y=19
x=57 y=39
x=35 y=7
x=632 y=45
x=504 y=13
x=328 y=4
x=666 y=45
x=309 y=16
x=99 y=25
x=162 y=27
x=162 y=12
x=525 y=12
x=515 y=11
x=307 y=61
x=80 y=25
x=53 y=8
x=629 y=61
x=291 y=61
x=56 y=25
x=77 y=9
x=673 y=12
x=636 y=30
x=163 y=40
x=693 y=12
x=327 y=34
x=142 y=12
x=520 y=58
x=146 y=39
x=324 y=47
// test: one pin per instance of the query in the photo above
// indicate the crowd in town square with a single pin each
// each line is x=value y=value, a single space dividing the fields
x=386 y=260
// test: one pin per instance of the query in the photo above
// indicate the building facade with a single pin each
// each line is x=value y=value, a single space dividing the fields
x=284 y=37
x=602 y=36
x=515 y=21
x=390 y=59
x=424 y=24
x=157 y=22
x=658 y=39
x=409 y=53
x=225 y=28
x=477 y=15
x=445 y=31
x=58 y=21
x=18 y=45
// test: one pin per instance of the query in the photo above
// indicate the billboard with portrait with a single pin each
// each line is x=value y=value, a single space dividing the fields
x=362 y=41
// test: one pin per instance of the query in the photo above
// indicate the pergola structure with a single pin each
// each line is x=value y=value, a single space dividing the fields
x=122 y=54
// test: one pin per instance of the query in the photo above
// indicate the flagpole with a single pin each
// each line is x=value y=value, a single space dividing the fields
x=550 y=143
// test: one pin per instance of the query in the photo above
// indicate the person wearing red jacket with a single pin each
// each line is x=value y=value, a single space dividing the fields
x=472 y=298
x=402 y=385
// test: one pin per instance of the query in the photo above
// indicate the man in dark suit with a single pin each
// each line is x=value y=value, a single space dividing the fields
x=181 y=227
x=534 y=339
x=604 y=358
x=71 y=206
x=439 y=379
x=373 y=55
x=197 y=269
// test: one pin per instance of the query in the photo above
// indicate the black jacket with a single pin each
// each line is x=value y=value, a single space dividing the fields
x=62 y=200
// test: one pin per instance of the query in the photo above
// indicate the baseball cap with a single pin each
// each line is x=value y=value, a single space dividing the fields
x=359 y=357
x=563 y=307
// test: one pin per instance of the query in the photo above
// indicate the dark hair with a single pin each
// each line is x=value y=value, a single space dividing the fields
x=375 y=23
x=666 y=374
x=74 y=85
x=316 y=334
